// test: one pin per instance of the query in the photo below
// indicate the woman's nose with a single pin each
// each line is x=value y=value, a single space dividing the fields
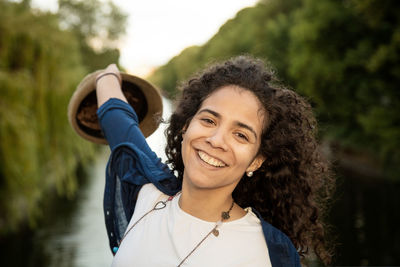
x=217 y=139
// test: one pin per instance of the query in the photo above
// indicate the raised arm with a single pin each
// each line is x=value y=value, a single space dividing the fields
x=118 y=120
x=109 y=85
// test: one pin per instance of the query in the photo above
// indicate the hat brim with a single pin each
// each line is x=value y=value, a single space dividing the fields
x=144 y=98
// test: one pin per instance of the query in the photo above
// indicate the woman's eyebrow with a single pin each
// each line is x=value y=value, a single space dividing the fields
x=238 y=123
x=216 y=114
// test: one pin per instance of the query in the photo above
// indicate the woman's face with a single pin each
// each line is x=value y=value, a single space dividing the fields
x=221 y=142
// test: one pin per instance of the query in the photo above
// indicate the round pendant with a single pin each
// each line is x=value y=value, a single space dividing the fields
x=215 y=232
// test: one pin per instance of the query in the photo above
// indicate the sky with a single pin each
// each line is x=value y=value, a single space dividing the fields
x=160 y=29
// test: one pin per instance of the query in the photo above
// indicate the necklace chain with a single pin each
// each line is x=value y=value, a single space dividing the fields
x=225 y=215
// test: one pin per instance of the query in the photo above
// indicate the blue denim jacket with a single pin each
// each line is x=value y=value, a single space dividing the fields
x=132 y=164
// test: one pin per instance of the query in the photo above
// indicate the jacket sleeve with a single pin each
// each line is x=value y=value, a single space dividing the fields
x=131 y=165
x=120 y=124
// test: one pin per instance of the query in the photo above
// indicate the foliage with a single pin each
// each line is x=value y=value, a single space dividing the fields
x=97 y=25
x=177 y=69
x=342 y=55
x=40 y=66
x=345 y=57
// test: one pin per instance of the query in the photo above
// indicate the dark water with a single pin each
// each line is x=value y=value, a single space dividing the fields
x=365 y=219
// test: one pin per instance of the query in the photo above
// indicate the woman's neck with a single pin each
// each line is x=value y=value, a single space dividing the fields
x=208 y=204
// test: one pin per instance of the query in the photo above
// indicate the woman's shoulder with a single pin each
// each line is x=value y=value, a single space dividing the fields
x=150 y=194
x=147 y=197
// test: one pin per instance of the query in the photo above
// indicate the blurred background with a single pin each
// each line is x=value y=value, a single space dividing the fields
x=343 y=56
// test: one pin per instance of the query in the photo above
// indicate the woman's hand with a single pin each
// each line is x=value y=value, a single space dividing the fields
x=108 y=85
x=110 y=70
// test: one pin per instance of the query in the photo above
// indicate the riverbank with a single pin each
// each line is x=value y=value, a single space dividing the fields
x=72 y=232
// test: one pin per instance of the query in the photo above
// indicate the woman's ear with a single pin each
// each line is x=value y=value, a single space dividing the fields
x=256 y=163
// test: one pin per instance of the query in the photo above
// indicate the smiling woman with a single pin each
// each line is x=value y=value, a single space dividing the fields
x=249 y=174
x=220 y=143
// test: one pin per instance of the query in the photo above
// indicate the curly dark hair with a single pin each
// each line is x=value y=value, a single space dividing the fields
x=292 y=187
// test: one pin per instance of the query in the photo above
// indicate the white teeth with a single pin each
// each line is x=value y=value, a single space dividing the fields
x=210 y=160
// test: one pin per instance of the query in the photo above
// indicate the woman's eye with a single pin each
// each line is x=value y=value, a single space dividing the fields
x=208 y=121
x=242 y=136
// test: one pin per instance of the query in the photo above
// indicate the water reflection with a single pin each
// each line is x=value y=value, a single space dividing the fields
x=80 y=240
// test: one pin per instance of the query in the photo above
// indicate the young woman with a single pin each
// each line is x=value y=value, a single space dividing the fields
x=244 y=162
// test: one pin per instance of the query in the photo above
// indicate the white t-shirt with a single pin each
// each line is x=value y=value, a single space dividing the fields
x=164 y=237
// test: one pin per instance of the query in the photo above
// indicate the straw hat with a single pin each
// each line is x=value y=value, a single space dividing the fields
x=141 y=95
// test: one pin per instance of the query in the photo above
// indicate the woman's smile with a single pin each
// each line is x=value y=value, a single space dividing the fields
x=210 y=159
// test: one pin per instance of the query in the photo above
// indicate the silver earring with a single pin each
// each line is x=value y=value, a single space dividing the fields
x=249 y=174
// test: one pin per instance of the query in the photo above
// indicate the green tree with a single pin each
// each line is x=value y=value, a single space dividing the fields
x=40 y=66
x=98 y=27
x=177 y=69
x=344 y=56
